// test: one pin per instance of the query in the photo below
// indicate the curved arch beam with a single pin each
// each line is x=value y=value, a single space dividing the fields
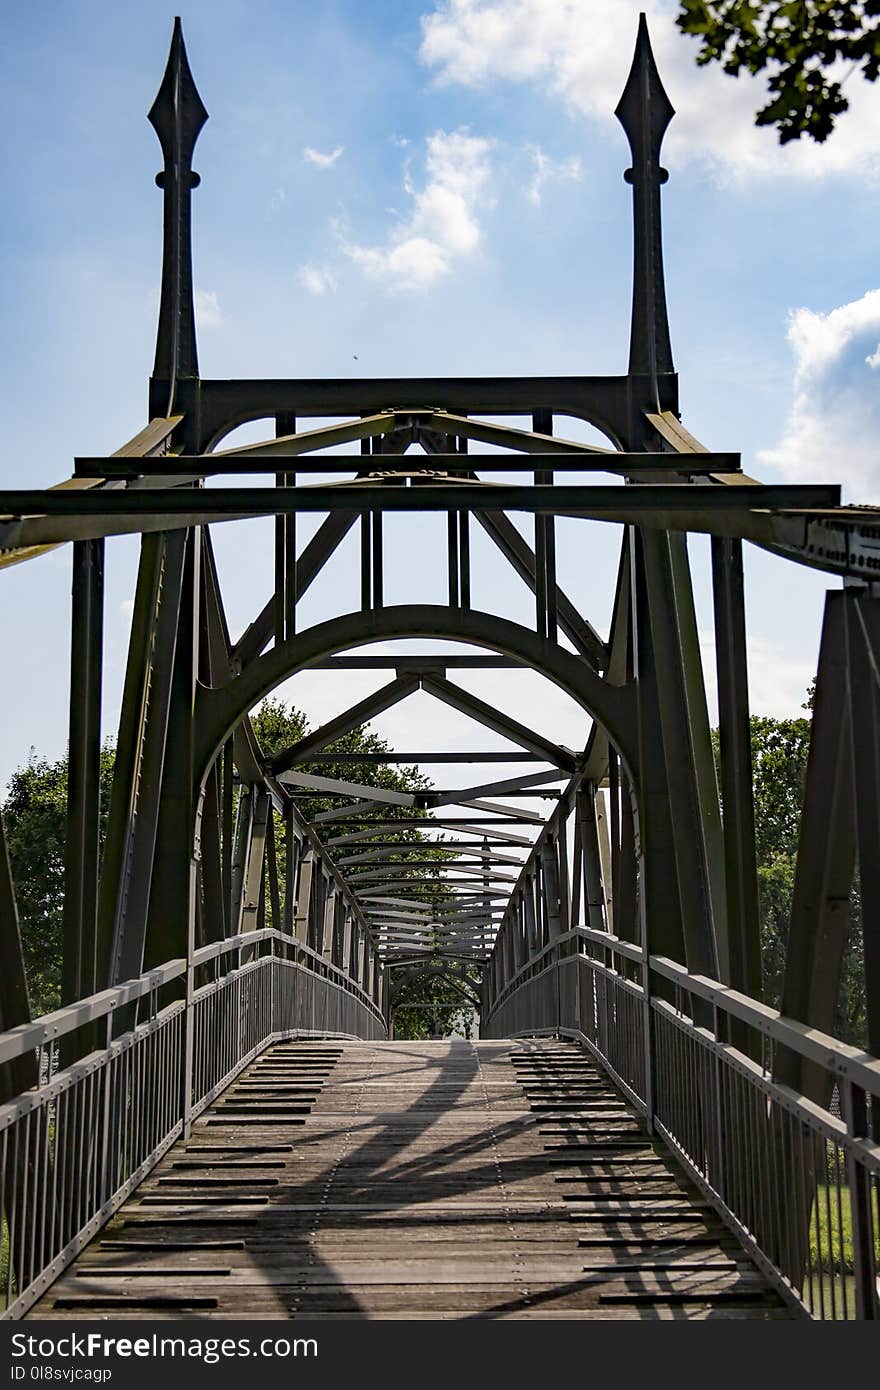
x=220 y=708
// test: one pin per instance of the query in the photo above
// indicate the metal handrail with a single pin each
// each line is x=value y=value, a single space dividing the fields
x=214 y=949
x=838 y=1057
x=628 y=950
x=27 y=1037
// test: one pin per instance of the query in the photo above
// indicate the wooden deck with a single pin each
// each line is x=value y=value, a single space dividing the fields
x=415 y=1180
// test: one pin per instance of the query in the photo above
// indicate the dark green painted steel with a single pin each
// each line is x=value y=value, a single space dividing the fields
x=635 y=841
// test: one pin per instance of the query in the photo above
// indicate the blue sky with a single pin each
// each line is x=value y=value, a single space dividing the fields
x=428 y=187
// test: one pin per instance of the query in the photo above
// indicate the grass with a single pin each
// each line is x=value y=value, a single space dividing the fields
x=831 y=1240
x=831 y=1255
x=4 y=1261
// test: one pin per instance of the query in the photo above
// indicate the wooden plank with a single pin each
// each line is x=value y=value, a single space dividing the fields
x=415 y=1180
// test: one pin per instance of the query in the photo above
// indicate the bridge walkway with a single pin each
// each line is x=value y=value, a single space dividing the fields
x=496 y=1179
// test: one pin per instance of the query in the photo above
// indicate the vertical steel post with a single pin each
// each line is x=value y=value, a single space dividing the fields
x=862 y=1207
x=825 y=860
x=132 y=826
x=691 y=786
x=171 y=895
x=79 y=974
x=285 y=546
x=227 y=833
x=863 y=669
x=740 y=965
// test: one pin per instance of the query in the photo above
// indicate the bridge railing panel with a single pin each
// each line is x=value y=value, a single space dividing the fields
x=74 y=1147
x=796 y=1179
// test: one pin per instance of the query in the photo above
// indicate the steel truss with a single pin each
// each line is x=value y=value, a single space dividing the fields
x=637 y=880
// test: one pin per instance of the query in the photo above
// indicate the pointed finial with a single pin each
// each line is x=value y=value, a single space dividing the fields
x=178 y=113
x=177 y=116
x=644 y=111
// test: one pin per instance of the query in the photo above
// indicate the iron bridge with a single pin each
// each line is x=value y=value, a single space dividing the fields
x=664 y=1143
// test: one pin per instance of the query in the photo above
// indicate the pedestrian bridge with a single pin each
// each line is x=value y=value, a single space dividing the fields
x=218 y=1119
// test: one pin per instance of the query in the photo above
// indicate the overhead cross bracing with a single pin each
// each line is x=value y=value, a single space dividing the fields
x=599 y=884
x=448 y=902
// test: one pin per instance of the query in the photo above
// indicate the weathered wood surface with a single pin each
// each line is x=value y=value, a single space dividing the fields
x=415 y=1180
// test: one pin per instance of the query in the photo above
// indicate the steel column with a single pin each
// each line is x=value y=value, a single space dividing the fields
x=825 y=859
x=740 y=964
x=80 y=972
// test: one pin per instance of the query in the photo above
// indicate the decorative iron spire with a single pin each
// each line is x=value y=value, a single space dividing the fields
x=644 y=111
x=177 y=116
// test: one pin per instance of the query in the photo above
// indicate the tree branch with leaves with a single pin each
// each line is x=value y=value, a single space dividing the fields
x=809 y=50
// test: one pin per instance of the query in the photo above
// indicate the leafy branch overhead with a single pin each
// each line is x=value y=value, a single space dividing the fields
x=809 y=49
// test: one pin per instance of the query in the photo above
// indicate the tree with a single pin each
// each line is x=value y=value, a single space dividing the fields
x=780 y=748
x=800 y=43
x=435 y=1004
x=35 y=818
x=277 y=726
x=779 y=764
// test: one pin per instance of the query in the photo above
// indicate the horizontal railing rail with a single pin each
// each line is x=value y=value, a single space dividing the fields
x=45 y=1031
x=305 y=956
x=796 y=1177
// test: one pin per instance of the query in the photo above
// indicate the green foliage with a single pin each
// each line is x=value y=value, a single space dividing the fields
x=278 y=725
x=431 y=993
x=798 y=44
x=780 y=748
x=34 y=818
x=779 y=761
x=775 y=889
x=35 y=814
x=831 y=1231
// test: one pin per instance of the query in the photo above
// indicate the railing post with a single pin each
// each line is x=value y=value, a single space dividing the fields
x=855 y=1113
x=649 y=1076
x=274 y=987
x=186 y=1104
x=104 y=1172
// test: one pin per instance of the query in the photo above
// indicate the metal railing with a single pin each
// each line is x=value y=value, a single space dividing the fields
x=799 y=1184
x=74 y=1147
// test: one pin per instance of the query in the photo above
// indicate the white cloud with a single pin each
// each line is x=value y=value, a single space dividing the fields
x=320 y=160
x=442 y=225
x=778 y=681
x=580 y=50
x=208 y=311
x=832 y=433
x=546 y=170
x=317 y=279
